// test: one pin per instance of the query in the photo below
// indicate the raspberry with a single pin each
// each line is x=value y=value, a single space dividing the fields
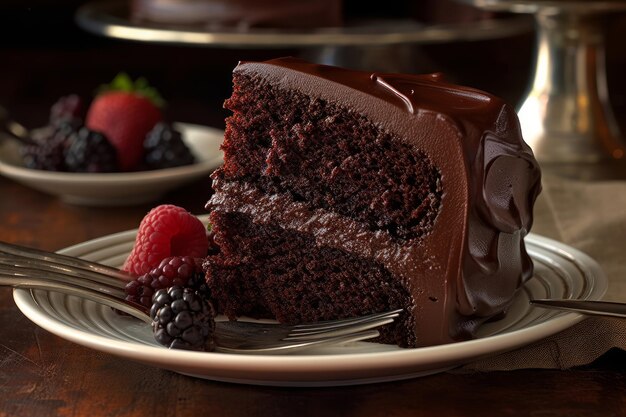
x=167 y=230
x=183 y=271
x=182 y=319
x=90 y=151
x=164 y=148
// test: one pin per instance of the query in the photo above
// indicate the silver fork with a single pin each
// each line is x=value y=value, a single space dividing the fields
x=22 y=267
x=12 y=129
x=587 y=307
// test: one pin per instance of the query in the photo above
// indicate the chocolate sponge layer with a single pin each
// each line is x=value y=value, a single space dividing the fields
x=266 y=271
x=330 y=158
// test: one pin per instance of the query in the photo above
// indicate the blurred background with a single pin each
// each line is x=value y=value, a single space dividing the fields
x=44 y=55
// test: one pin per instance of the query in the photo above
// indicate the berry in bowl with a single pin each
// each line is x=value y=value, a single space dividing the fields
x=120 y=151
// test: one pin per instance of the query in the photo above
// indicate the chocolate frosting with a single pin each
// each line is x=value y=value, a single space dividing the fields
x=471 y=264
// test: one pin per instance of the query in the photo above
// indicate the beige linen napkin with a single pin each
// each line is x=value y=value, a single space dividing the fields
x=590 y=216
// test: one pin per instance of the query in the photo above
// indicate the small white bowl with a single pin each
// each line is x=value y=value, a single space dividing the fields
x=119 y=188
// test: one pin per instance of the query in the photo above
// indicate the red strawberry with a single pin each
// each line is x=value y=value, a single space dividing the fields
x=167 y=230
x=125 y=112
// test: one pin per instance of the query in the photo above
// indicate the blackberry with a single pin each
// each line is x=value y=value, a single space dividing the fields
x=68 y=109
x=90 y=151
x=49 y=150
x=182 y=319
x=183 y=271
x=164 y=148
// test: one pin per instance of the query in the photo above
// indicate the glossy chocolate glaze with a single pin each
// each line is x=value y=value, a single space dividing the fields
x=471 y=264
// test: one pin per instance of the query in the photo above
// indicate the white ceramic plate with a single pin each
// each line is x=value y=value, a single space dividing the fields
x=561 y=272
x=119 y=188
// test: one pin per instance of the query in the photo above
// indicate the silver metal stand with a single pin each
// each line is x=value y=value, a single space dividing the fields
x=566 y=116
x=374 y=44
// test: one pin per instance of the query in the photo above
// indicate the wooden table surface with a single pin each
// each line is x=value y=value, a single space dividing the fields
x=44 y=375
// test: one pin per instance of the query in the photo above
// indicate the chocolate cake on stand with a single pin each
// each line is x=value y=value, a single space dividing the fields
x=243 y=14
x=374 y=41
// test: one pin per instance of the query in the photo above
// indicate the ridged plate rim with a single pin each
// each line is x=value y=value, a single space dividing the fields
x=358 y=364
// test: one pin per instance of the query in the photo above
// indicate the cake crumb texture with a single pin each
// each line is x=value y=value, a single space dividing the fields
x=329 y=157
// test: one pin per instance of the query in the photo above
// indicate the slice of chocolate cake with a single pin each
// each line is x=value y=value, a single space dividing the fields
x=345 y=193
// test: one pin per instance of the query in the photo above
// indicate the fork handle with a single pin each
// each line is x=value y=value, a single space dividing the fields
x=107 y=274
x=128 y=307
x=592 y=308
x=13 y=130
